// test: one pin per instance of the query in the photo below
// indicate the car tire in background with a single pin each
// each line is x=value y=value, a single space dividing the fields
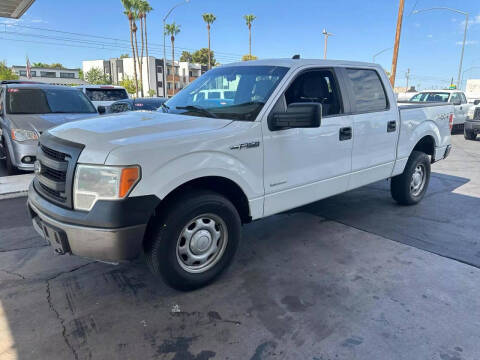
x=11 y=170
x=469 y=135
x=194 y=240
x=409 y=187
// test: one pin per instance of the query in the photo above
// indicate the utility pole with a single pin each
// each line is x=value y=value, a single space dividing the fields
x=326 y=34
x=397 y=41
x=407 y=75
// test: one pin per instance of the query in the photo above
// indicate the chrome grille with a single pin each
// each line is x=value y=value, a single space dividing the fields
x=54 y=179
x=476 y=115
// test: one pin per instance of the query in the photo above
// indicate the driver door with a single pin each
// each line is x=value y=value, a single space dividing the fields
x=302 y=165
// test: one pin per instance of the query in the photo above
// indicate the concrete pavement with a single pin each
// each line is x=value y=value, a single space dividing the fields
x=322 y=282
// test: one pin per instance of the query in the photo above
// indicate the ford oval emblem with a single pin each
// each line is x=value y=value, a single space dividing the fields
x=37 y=167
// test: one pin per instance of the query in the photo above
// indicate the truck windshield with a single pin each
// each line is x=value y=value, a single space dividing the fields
x=106 y=94
x=47 y=101
x=231 y=92
x=431 y=97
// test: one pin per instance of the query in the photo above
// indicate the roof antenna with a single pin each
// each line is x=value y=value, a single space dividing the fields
x=296 y=57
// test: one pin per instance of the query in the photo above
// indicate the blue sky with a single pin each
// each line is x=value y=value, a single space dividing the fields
x=429 y=44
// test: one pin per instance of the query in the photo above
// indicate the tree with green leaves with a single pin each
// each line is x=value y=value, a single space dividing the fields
x=209 y=19
x=7 y=73
x=249 y=20
x=248 y=57
x=124 y=56
x=129 y=84
x=204 y=57
x=172 y=30
x=186 y=56
x=47 y=66
x=96 y=76
x=144 y=8
x=151 y=92
x=129 y=12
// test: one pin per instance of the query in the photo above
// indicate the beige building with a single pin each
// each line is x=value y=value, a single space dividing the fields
x=153 y=78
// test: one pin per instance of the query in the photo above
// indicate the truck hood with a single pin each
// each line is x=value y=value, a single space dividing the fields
x=102 y=134
x=42 y=122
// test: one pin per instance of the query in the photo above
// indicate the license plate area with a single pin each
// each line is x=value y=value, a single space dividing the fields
x=56 y=237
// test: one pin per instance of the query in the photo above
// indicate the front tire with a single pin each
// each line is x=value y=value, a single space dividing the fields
x=409 y=187
x=194 y=241
x=469 y=135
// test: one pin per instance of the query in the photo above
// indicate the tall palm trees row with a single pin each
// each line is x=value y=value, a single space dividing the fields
x=138 y=10
x=209 y=18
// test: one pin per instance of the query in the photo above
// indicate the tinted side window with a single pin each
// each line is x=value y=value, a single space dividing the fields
x=368 y=92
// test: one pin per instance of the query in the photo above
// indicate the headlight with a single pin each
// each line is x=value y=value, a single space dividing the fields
x=93 y=182
x=24 y=135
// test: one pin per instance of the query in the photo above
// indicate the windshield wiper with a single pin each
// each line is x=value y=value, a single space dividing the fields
x=165 y=107
x=198 y=109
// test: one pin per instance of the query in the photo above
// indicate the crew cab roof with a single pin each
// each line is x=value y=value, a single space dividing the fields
x=294 y=63
x=39 y=86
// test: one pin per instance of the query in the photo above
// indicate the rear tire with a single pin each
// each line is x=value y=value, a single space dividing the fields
x=194 y=241
x=409 y=187
x=469 y=135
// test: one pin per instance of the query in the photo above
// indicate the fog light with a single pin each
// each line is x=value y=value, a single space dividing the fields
x=28 y=159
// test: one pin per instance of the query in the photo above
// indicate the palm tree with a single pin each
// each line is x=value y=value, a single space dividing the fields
x=128 y=5
x=137 y=15
x=172 y=30
x=209 y=19
x=249 y=20
x=145 y=8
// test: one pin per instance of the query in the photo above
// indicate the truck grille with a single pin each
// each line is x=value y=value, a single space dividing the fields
x=54 y=177
x=476 y=115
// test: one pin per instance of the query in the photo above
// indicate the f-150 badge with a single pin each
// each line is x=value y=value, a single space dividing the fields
x=248 y=145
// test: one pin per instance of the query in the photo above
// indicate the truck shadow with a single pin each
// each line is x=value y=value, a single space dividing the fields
x=300 y=278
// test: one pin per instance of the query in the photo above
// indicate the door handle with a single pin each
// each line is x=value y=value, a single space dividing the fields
x=391 y=126
x=345 y=133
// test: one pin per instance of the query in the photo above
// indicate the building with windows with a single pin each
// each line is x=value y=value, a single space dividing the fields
x=117 y=69
x=55 y=76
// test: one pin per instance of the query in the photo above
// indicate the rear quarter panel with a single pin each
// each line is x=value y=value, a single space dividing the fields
x=418 y=122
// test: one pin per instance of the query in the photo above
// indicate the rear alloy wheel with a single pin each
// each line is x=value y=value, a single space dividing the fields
x=469 y=135
x=409 y=187
x=194 y=241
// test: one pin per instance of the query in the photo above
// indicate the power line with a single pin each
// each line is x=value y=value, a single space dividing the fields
x=227 y=54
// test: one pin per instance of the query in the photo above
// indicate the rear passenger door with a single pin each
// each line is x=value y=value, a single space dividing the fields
x=375 y=125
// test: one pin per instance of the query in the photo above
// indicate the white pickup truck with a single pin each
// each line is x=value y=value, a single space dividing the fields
x=177 y=184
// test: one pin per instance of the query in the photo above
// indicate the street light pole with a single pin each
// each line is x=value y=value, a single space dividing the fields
x=380 y=52
x=464 y=34
x=464 y=71
x=326 y=34
x=164 y=48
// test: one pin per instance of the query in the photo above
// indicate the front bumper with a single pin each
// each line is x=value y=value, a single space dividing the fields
x=473 y=126
x=20 y=150
x=99 y=235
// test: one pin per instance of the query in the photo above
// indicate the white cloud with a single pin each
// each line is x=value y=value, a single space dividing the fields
x=472 y=21
x=468 y=42
x=417 y=25
x=429 y=36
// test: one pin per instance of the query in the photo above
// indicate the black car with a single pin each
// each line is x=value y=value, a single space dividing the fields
x=149 y=104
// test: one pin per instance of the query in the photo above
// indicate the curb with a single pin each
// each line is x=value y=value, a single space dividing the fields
x=14 y=186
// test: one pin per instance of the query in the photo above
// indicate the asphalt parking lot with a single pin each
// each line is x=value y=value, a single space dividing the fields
x=351 y=277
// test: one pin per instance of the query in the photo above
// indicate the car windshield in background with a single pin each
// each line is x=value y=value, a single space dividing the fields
x=47 y=101
x=231 y=92
x=106 y=94
x=431 y=97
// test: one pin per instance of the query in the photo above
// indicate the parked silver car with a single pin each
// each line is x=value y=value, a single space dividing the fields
x=27 y=110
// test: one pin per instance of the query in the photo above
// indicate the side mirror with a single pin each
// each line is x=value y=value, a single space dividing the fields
x=457 y=102
x=101 y=109
x=476 y=102
x=298 y=115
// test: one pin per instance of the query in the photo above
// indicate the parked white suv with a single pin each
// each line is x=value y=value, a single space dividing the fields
x=104 y=95
x=178 y=184
x=463 y=110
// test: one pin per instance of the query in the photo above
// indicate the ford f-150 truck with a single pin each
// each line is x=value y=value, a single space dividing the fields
x=177 y=184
